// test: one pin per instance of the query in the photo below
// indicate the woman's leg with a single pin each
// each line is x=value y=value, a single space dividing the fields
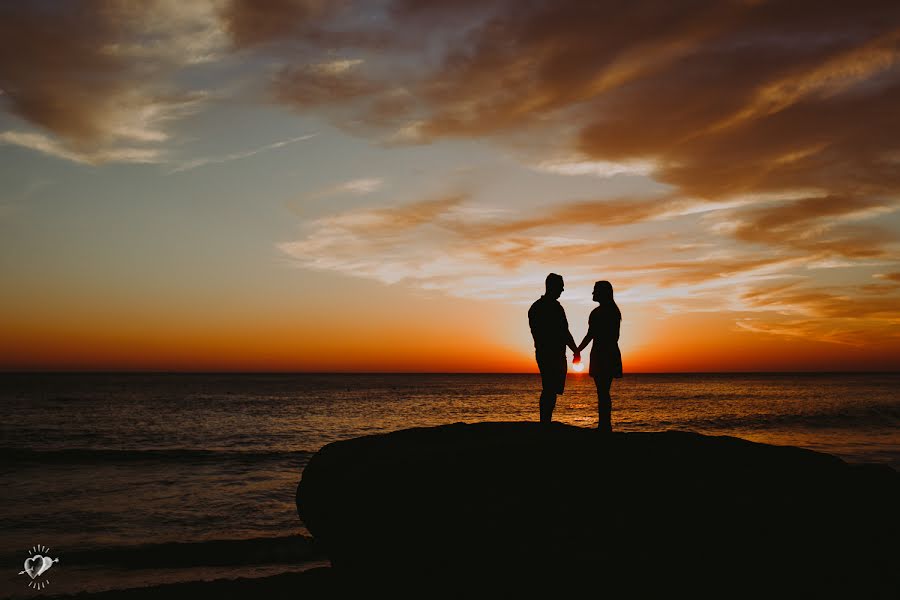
x=604 y=402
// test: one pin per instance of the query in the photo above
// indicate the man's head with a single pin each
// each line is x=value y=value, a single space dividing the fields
x=554 y=285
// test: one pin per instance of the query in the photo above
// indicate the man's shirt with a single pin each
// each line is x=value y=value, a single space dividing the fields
x=549 y=326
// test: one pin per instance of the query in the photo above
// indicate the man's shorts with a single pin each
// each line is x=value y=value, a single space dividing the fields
x=553 y=372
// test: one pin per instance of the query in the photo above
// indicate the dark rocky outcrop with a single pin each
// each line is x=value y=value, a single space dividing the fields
x=522 y=508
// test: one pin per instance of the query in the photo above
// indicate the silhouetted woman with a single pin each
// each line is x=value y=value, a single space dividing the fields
x=606 y=360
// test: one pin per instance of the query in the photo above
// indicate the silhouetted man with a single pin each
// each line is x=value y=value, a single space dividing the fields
x=550 y=330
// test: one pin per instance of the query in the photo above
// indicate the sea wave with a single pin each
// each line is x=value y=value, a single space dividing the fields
x=114 y=455
x=870 y=417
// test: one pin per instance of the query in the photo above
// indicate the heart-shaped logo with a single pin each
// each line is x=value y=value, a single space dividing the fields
x=34 y=565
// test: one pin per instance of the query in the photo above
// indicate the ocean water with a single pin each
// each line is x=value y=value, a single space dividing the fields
x=116 y=466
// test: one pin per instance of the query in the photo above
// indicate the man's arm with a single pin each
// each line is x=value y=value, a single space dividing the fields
x=534 y=323
x=570 y=341
x=576 y=351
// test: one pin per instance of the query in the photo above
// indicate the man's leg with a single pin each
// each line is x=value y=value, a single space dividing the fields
x=548 y=403
x=549 y=385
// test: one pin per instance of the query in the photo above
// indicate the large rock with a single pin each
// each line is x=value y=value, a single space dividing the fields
x=523 y=507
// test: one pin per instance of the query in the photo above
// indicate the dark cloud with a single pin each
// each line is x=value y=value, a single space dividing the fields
x=95 y=74
x=319 y=85
x=53 y=69
x=253 y=22
x=725 y=99
x=531 y=60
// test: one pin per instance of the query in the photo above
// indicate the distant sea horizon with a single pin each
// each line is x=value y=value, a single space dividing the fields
x=337 y=372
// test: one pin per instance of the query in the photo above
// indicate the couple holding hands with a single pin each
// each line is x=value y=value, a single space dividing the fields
x=550 y=330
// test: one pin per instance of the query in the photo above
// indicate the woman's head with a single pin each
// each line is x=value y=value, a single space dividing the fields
x=603 y=293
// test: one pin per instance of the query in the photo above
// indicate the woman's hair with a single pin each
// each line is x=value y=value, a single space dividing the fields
x=605 y=292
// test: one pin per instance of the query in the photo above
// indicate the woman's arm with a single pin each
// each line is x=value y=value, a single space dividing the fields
x=587 y=339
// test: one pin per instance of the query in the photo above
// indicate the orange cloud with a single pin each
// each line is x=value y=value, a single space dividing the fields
x=825 y=225
x=889 y=276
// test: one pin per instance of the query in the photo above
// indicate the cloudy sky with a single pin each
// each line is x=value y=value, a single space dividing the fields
x=384 y=185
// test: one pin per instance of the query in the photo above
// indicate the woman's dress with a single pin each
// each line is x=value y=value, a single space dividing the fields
x=606 y=359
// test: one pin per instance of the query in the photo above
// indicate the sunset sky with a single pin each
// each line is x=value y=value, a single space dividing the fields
x=320 y=185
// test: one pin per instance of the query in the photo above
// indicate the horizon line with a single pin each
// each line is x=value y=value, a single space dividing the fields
x=291 y=372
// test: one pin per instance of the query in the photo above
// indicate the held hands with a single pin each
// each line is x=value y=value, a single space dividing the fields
x=577 y=365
